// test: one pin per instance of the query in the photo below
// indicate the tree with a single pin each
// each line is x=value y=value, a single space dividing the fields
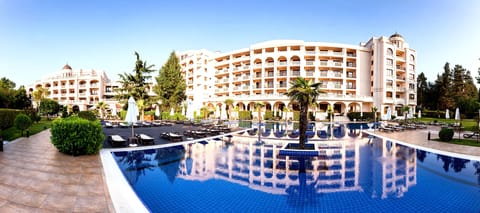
x=405 y=111
x=305 y=93
x=171 y=85
x=136 y=84
x=102 y=107
x=39 y=94
x=258 y=107
x=229 y=103
x=22 y=122
x=20 y=99
x=422 y=87
x=444 y=86
x=49 y=107
x=7 y=83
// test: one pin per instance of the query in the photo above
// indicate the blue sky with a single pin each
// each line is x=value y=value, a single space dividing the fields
x=38 y=37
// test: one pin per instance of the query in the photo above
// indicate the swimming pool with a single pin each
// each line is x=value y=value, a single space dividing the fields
x=361 y=175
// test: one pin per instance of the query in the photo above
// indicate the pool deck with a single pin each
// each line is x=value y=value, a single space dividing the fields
x=35 y=177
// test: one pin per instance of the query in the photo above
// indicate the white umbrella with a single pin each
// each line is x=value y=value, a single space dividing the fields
x=157 y=111
x=447 y=114
x=189 y=114
x=419 y=113
x=223 y=114
x=389 y=113
x=172 y=112
x=132 y=112
x=114 y=109
x=457 y=114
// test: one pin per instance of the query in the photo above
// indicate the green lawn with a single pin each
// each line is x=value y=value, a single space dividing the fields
x=468 y=124
x=13 y=133
x=461 y=141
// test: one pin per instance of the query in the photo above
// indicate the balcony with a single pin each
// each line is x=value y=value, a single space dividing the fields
x=282 y=73
x=269 y=64
x=295 y=63
x=282 y=85
x=246 y=77
x=350 y=64
x=309 y=73
x=282 y=63
x=269 y=74
x=310 y=63
x=257 y=65
x=295 y=73
x=309 y=52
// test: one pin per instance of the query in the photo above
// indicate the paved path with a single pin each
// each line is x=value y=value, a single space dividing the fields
x=35 y=177
x=419 y=138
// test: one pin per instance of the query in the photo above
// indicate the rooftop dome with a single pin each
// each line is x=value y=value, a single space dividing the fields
x=67 y=67
x=396 y=35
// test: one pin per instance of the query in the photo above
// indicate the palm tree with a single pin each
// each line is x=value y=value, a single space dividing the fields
x=229 y=103
x=258 y=107
x=101 y=107
x=405 y=110
x=305 y=92
x=39 y=94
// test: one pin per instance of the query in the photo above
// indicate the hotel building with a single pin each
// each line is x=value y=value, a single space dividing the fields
x=377 y=73
x=78 y=88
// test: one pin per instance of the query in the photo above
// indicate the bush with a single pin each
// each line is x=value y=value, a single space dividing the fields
x=77 y=136
x=7 y=117
x=244 y=115
x=88 y=115
x=446 y=134
x=22 y=122
x=268 y=115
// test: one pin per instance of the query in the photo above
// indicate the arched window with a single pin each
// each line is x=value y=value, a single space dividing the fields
x=412 y=58
x=389 y=52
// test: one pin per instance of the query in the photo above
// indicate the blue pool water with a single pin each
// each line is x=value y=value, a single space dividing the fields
x=360 y=175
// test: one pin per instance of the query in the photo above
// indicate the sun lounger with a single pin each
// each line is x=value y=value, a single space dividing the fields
x=471 y=135
x=173 y=137
x=116 y=140
x=108 y=125
x=145 y=139
x=124 y=125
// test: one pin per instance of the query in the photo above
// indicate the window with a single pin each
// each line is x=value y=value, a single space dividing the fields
x=412 y=58
x=389 y=52
x=411 y=67
x=389 y=62
x=389 y=72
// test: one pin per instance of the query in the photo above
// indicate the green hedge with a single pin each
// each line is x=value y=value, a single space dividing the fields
x=7 y=117
x=88 y=115
x=77 y=136
x=244 y=115
x=268 y=115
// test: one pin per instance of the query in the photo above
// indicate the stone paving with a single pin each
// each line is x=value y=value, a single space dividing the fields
x=35 y=177
x=419 y=138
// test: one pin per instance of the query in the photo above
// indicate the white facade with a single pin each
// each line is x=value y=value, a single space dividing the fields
x=379 y=73
x=78 y=88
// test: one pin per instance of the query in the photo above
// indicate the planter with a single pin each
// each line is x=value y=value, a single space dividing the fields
x=292 y=149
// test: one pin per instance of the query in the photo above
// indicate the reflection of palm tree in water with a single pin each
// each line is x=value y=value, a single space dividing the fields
x=450 y=162
x=137 y=163
x=421 y=155
x=302 y=194
x=169 y=160
x=477 y=167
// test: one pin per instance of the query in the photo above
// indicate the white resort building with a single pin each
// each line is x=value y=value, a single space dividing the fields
x=78 y=88
x=377 y=73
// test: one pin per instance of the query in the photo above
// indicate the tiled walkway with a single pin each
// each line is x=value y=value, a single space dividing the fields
x=35 y=177
x=419 y=138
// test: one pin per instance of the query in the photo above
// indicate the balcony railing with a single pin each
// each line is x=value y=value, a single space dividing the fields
x=295 y=73
x=282 y=73
x=310 y=52
x=269 y=74
x=295 y=63
x=282 y=63
x=310 y=63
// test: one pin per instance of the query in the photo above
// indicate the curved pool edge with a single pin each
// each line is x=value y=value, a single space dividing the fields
x=123 y=197
x=425 y=148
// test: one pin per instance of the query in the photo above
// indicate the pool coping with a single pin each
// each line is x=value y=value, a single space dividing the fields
x=122 y=195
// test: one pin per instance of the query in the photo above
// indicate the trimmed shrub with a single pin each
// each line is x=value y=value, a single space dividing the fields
x=88 y=115
x=77 y=136
x=245 y=115
x=446 y=134
x=22 y=122
x=296 y=115
x=7 y=117
x=268 y=115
